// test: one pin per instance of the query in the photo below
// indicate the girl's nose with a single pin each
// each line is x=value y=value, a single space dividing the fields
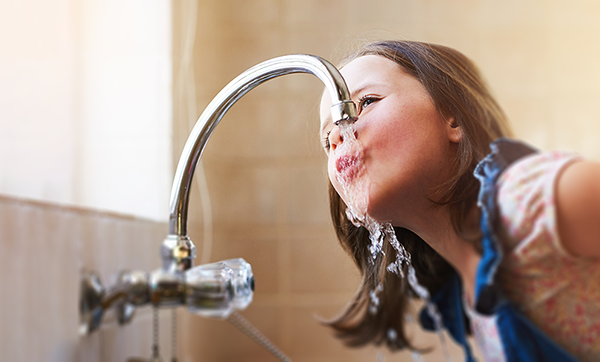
x=335 y=138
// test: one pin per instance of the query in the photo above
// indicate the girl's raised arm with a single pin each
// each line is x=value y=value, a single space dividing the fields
x=578 y=209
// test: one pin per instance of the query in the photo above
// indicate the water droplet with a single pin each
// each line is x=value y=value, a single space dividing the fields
x=373 y=296
x=416 y=357
x=392 y=335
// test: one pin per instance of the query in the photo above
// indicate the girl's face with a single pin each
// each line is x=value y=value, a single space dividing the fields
x=406 y=145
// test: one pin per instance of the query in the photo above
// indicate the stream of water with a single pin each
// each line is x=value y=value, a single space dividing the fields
x=351 y=175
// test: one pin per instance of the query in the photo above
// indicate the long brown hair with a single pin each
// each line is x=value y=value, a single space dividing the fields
x=458 y=90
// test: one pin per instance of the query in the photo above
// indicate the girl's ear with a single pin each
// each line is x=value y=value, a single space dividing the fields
x=454 y=130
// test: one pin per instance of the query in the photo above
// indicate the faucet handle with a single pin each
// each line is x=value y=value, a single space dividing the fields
x=215 y=290
x=243 y=282
x=209 y=291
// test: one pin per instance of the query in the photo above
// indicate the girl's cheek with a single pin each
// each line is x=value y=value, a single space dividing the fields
x=332 y=177
x=332 y=174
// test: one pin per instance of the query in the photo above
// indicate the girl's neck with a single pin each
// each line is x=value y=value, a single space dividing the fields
x=440 y=234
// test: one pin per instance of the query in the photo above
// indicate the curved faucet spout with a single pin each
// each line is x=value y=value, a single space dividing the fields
x=178 y=250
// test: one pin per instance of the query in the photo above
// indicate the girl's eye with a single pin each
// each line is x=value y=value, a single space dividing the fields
x=326 y=144
x=365 y=101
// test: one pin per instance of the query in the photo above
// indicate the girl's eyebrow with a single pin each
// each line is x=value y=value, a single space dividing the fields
x=357 y=91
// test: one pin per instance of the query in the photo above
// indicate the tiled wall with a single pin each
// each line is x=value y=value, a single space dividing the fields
x=45 y=247
x=264 y=166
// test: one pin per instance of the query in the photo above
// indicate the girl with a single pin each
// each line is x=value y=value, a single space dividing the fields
x=506 y=244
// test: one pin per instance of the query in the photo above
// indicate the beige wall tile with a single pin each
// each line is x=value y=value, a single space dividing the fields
x=249 y=191
x=320 y=267
x=217 y=340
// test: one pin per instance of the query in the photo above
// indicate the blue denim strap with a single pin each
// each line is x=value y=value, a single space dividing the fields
x=488 y=295
x=449 y=303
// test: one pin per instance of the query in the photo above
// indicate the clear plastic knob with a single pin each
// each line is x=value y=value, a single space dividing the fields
x=243 y=282
x=214 y=290
x=209 y=291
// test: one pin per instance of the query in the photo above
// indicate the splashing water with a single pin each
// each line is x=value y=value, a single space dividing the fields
x=355 y=183
x=351 y=175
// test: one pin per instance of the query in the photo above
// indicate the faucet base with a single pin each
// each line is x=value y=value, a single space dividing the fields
x=178 y=253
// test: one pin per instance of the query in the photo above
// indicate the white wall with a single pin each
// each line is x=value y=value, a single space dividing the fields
x=86 y=104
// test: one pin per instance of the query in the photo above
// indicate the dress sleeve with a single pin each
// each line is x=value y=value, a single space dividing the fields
x=526 y=202
x=556 y=291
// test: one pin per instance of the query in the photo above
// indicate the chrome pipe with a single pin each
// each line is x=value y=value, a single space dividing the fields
x=178 y=250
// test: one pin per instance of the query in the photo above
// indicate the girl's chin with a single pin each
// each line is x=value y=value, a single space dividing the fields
x=377 y=213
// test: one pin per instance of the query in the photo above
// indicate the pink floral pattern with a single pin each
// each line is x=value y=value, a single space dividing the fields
x=558 y=292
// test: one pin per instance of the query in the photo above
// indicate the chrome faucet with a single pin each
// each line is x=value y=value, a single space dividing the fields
x=178 y=251
x=213 y=289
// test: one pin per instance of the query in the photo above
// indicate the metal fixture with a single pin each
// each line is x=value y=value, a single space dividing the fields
x=211 y=290
x=178 y=251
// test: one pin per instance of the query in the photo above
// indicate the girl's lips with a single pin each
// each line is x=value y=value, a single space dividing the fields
x=347 y=166
x=352 y=183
